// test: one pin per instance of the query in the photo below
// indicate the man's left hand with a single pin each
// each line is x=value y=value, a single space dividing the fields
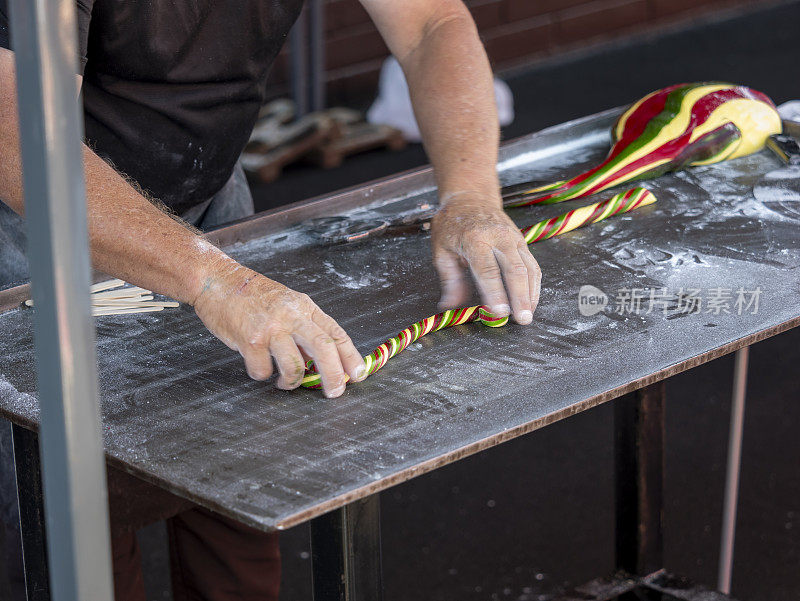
x=469 y=231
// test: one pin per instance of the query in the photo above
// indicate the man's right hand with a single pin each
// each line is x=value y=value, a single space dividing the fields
x=132 y=239
x=263 y=319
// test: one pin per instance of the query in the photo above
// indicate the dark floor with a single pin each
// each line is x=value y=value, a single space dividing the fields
x=526 y=519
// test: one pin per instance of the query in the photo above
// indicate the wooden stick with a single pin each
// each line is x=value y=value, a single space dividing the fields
x=100 y=286
x=116 y=311
x=96 y=302
x=120 y=305
x=122 y=293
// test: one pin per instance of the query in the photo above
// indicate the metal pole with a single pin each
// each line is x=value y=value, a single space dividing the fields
x=317 y=47
x=733 y=469
x=76 y=510
x=298 y=63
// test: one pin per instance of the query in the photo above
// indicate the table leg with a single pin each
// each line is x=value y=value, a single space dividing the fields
x=732 y=472
x=31 y=513
x=346 y=553
x=639 y=456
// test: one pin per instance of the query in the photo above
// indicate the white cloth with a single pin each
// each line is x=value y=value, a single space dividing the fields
x=393 y=104
x=790 y=110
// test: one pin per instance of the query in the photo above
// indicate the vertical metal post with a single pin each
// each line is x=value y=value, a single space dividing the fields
x=307 y=59
x=317 y=51
x=639 y=453
x=31 y=513
x=730 y=501
x=346 y=553
x=298 y=63
x=76 y=511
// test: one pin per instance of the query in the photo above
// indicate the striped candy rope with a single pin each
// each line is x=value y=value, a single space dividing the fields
x=621 y=203
x=677 y=127
x=378 y=358
x=566 y=222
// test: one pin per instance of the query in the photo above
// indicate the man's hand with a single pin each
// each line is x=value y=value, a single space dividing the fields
x=263 y=319
x=132 y=239
x=470 y=232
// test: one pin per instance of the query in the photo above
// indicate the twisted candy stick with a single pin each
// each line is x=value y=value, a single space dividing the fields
x=566 y=222
x=378 y=358
x=621 y=203
x=673 y=128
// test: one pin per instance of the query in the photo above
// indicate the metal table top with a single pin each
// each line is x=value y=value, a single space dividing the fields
x=180 y=411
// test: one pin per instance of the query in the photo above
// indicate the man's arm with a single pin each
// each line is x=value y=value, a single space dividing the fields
x=452 y=91
x=132 y=239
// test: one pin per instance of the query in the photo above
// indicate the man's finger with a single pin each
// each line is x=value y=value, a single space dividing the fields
x=257 y=360
x=451 y=276
x=515 y=275
x=488 y=279
x=322 y=348
x=534 y=275
x=351 y=359
x=290 y=363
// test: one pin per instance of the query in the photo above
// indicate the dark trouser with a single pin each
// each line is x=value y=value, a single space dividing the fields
x=212 y=558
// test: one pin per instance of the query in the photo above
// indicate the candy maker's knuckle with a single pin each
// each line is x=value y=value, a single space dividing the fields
x=296 y=323
x=257 y=342
x=506 y=244
x=490 y=272
x=319 y=316
x=338 y=333
x=305 y=301
x=518 y=269
x=323 y=339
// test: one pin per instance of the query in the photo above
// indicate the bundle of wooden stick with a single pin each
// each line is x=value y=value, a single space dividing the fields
x=115 y=297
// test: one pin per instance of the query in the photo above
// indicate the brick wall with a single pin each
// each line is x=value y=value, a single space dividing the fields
x=515 y=32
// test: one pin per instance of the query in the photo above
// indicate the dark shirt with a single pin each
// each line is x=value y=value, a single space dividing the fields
x=172 y=88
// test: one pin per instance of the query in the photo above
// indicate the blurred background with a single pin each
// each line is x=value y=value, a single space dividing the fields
x=528 y=519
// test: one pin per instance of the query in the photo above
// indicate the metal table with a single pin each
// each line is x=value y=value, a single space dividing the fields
x=180 y=412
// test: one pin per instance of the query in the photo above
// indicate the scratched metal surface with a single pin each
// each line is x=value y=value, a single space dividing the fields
x=179 y=410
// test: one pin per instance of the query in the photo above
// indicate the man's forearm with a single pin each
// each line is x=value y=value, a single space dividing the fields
x=130 y=238
x=453 y=95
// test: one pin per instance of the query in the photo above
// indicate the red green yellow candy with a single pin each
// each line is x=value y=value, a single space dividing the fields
x=677 y=127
